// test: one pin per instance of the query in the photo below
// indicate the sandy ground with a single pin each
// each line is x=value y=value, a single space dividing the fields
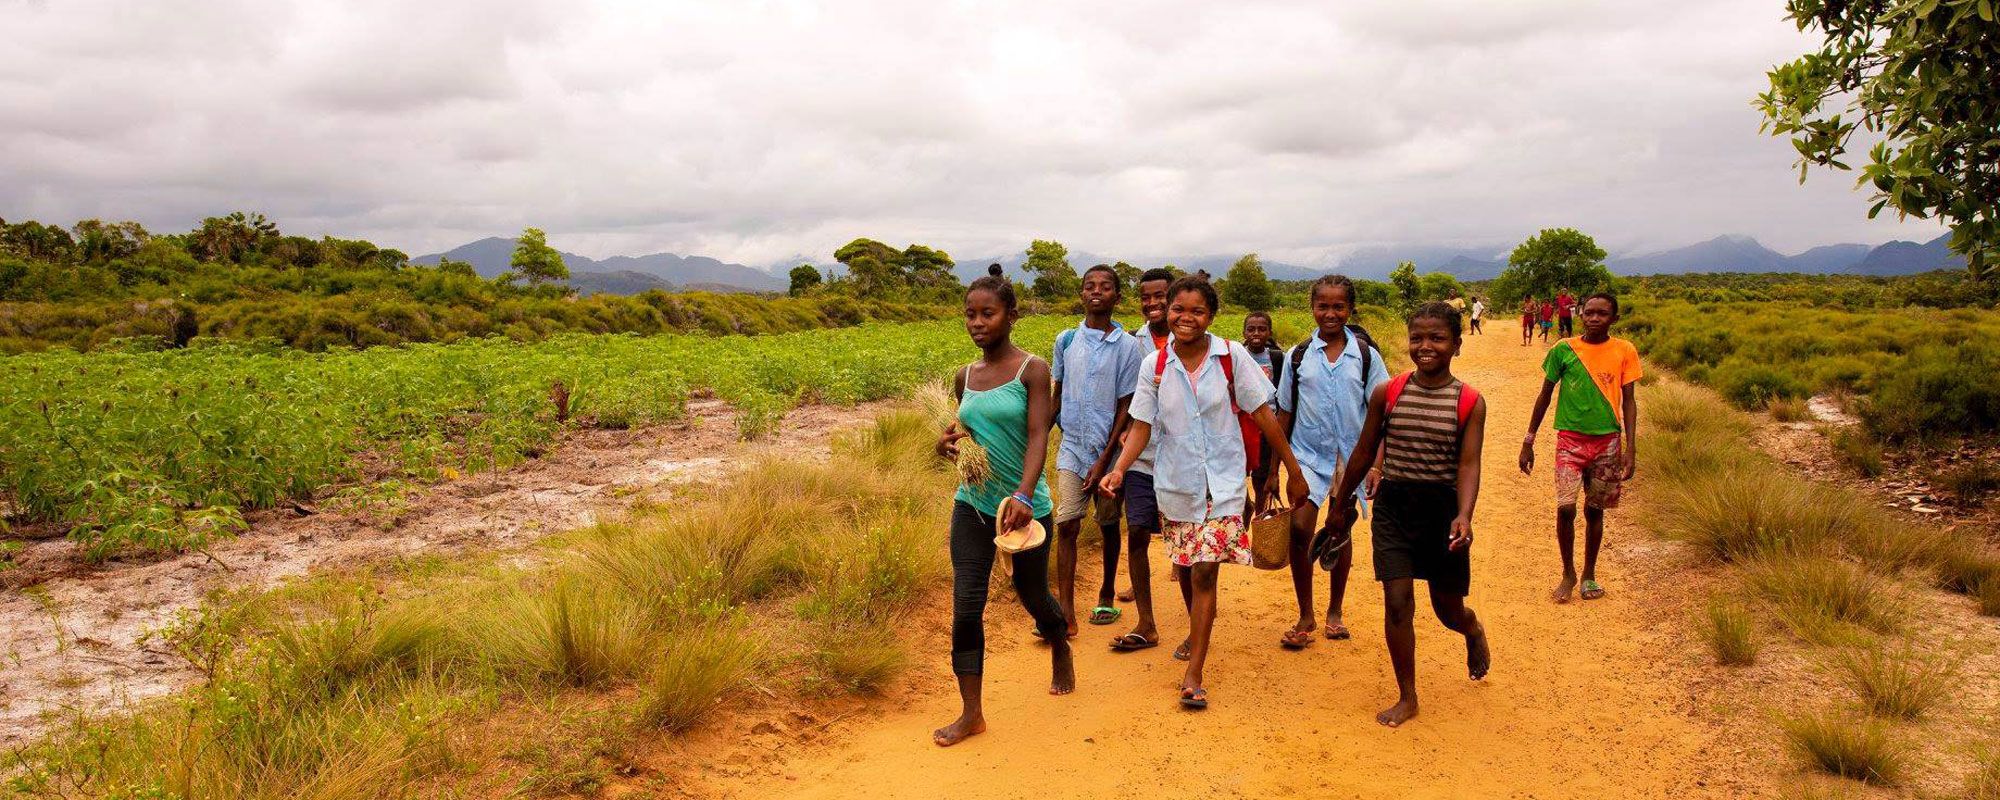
x=73 y=642
x=1601 y=699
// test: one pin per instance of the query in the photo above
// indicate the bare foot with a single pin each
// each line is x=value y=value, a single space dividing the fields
x=1125 y=596
x=1403 y=711
x=1564 y=590
x=1062 y=679
x=958 y=731
x=1477 y=657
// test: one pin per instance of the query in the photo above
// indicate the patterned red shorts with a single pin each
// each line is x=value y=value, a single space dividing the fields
x=1588 y=464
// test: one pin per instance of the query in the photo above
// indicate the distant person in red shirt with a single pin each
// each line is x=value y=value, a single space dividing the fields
x=1546 y=314
x=1528 y=310
x=1565 y=311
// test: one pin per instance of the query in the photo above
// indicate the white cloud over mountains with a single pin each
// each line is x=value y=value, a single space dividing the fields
x=755 y=130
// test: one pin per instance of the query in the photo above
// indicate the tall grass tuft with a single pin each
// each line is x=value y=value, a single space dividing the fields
x=698 y=667
x=1858 y=748
x=1790 y=409
x=1988 y=594
x=1739 y=514
x=1984 y=782
x=1732 y=633
x=1826 y=601
x=857 y=658
x=565 y=634
x=1901 y=685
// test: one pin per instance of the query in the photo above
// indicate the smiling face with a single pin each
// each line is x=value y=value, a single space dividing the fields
x=1331 y=308
x=1432 y=345
x=1598 y=314
x=1153 y=300
x=1100 y=292
x=1188 y=316
x=987 y=320
x=1256 y=332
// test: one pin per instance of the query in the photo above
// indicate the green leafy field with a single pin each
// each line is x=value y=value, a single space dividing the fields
x=163 y=450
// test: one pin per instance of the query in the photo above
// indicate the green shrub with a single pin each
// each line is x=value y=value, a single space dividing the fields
x=1939 y=389
x=1859 y=451
x=1754 y=384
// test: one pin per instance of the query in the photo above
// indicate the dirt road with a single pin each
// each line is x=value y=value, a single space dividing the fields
x=1597 y=699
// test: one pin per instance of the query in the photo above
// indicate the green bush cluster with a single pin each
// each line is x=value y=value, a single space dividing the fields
x=1919 y=370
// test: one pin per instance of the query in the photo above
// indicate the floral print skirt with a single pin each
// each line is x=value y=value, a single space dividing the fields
x=1220 y=540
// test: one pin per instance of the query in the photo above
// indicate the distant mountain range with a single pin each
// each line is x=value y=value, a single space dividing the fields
x=670 y=272
x=622 y=274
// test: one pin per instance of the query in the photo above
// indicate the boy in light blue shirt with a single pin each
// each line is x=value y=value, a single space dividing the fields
x=1322 y=403
x=1095 y=369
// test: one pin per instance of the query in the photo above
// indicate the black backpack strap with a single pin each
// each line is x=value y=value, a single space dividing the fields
x=1298 y=358
x=1367 y=344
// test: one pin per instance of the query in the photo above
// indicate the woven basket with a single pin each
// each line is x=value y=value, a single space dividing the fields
x=1271 y=539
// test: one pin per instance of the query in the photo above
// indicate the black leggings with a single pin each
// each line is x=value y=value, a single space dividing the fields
x=972 y=555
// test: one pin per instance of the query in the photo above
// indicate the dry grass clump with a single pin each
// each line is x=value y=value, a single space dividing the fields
x=857 y=658
x=1900 y=685
x=1984 y=782
x=694 y=670
x=568 y=633
x=1856 y=449
x=1790 y=409
x=1826 y=601
x=1735 y=515
x=1731 y=632
x=942 y=409
x=1859 y=748
x=1988 y=595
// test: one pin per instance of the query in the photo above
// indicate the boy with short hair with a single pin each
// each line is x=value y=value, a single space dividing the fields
x=1095 y=370
x=1258 y=339
x=1565 y=313
x=1142 y=509
x=1597 y=433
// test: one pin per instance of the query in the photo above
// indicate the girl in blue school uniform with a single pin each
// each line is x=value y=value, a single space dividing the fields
x=1187 y=401
x=1322 y=401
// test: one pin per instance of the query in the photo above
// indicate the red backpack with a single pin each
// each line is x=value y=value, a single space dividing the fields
x=1253 y=439
x=1467 y=398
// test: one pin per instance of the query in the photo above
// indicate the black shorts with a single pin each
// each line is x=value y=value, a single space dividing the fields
x=1142 y=507
x=1412 y=536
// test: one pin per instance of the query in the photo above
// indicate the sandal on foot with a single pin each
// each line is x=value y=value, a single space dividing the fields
x=1295 y=639
x=1196 y=698
x=1132 y=641
x=1338 y=633
x=1104 y=615
x=1184 y=652
x=1592 y=591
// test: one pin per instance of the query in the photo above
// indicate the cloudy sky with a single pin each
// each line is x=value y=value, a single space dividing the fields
x=753 y=131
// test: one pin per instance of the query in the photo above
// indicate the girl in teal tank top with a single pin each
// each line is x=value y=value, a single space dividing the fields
x=1006 y=405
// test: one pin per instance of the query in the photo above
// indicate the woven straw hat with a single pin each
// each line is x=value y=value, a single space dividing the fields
x=1027 y=537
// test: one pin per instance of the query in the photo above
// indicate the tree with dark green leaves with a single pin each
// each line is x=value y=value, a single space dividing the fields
x=1556 y=258
x=1055 y=279
x=1438 y=286
x=1923 y=78
x=1128 y=275
x=535 y=260
x=805 y=278
x=1408 y=291
x=1247 y=286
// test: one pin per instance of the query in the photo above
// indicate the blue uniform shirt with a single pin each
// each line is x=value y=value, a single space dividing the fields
x=1334 y=396
x=1198 y=470
x=1096 y=369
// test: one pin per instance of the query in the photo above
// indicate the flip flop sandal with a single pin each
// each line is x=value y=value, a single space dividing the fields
x=1326 y=547
x=1196 y=699
x=1295 y=639
x=1131 y=642
x=1338 y=633
x=1104 y=615
x=1183 y=652
x=1592 y=591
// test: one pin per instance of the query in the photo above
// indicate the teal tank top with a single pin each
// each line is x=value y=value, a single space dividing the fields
x=997 y=418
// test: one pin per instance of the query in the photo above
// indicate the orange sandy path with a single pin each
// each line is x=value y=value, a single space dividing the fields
x=1585 y=700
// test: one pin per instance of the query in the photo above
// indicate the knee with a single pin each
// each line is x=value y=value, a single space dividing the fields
x=1202 y=577
x=1566 y=512
x=1399 y=606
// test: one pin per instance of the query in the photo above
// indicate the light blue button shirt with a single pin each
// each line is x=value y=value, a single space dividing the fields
x=1096 y=369
x=1198 y=470
x=1335 y=399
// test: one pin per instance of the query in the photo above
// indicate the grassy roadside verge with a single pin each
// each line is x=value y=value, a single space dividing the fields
x=786 y=580
x=1858 y=630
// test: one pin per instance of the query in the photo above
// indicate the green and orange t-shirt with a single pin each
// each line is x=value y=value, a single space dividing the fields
x=1593 y=378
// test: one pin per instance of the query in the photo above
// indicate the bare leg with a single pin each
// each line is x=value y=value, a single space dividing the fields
x=1201 y=620
x=1452 y=611
x=1066 y=570
x=1142 y=583
x=1302 y=521
x=1566 y=542
x=1111 y=543
x=1398 y=611
x=1593 y=536
x=971 y=718
x=1187 y=602
x=1343 y=566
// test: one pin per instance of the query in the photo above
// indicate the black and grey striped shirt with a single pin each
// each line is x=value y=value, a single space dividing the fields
x=1422 y=445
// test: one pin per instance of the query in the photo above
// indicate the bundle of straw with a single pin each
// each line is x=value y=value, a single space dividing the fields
x=937 y=404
